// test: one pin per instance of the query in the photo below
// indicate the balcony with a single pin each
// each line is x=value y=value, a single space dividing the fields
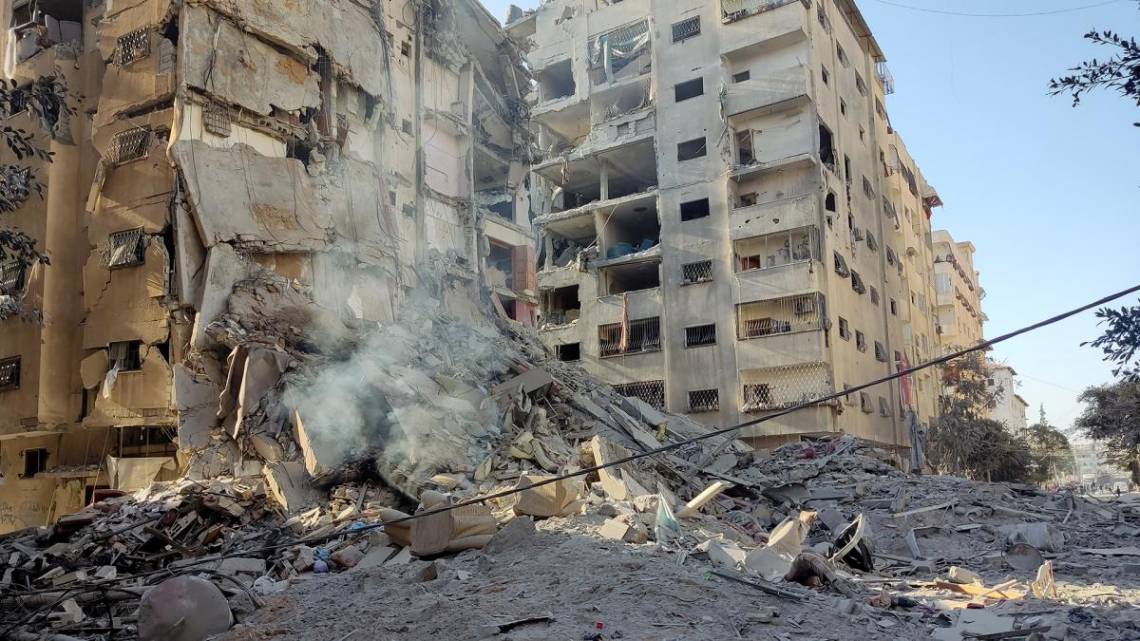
x=585 y=177
x=783 y=23
x=767 y=92
x=777 y=388
x=754 y=219
x=642 y=336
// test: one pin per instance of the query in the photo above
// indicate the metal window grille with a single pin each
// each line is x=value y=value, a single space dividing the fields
x=705 y=400
x=11 y=277
x=886 y=78
x=700 y=335
x=779 y=316
x=644 y=336
x=652 y=392
x=865 y=403
x=10 y=373
x=129 y=145
x=868 y=190
x=841 y=267
x=892 y=258
x=874 y=296
x=782 y=387
x=777 y=250
x=217 y=121
x=844 y=329
x=872 y=243
x=880 y=352
x=125 y=355
x=697 y=272
x=884 y=407
x=128 y=248
x=733 y=10
x=857 y=283
x=132 y=46
x=686 y=29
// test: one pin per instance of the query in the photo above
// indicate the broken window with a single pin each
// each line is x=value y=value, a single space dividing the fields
x=631 y=277
x=705 y=400
x=844 y=329
x=146 y=441
x=129 y=145
x=128 y=248
x=9 y=374
x=841 y=267
x=561 y=305
x=700 y=272
x=884 y=407
x=826 y=148
x=747 y=200
x=216 y=120
x=690 y=149
x=132 y=46
x=700 y=335
x=687 y=28
x=556 y=80
x=621 y=53
x=11 y=277
x=829 y=202
x=125 y=356
x=689 y=89
x=643 y=335
x=779 y=316
x=744 y=155
x=880 y=352
x=35 y=461
x=777 y=250
x=694 y=209
x=860 y=341
x=857 y=283
x=652 y=392
x=742 y=76
x=570 y=352
x=865 y=403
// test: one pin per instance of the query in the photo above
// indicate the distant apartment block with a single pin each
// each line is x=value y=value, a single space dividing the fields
x=728 y=222
x=959 y=292
x=1010 y=409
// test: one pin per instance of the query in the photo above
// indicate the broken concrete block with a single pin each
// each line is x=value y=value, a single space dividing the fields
x=640 y=409
x=467 y=527
x=241 y=565
x=528 y=382
x=376 y=557
x=724 y=553
x=402 y=558
x=305 y=556
x=347 y=557
x=1043 y=536
x=963 y=576
x=184 y=608
x=288 y=485
x=516 y=533
x=615 y=529
x=553 y=499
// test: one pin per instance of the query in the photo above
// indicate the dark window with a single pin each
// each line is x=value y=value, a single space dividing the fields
x=857 y=283
x=829 y=202
x=872 y=244
x=826 y=75
x=742 y=76
x=880 y=352
x=867 y=189
x=844 y=329
x=841 y=54
x=686 y=29
x=406 y=126
x=865 y=403
x=700 y=335
x=705 y=400
x=826 y=147
x=847 y=168
x=129 y=145
x=696 y=272
x=128 y=248
x=689 y=89
x=898 y=357
x=843 y=106
x=125 y=356
x=132 y=46
x=11 y=277
x=874 y=296
x=744 y=147
x=405 y=48
x=841 y=267
x=694 y=209
x=35 y=461
x=894 y=307
x=691 y=149
x=860 y=85
x=570 y=352
x=884 y=407
x=10 y=374
x=860 y=341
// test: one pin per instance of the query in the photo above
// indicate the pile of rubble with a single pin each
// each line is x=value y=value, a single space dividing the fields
x=449 y=436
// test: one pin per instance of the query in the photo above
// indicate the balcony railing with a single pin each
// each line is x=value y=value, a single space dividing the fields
x=640 y=336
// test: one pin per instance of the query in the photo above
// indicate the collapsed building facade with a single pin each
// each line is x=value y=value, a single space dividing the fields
x=237 y=176
x=729 y=223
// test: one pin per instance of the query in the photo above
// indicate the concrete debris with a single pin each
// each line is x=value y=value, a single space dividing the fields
x=185 y=608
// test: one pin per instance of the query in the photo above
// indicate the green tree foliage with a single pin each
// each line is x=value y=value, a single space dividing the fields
x=1112 y=416
x=1120 y=341
x=1119 y=72
x=962 y=440
x=1052 y=454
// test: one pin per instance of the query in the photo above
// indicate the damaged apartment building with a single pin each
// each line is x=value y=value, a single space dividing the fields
x=233 y=176
x=729 y=225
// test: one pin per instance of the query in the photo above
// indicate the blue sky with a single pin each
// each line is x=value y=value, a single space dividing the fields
x=1049 y=195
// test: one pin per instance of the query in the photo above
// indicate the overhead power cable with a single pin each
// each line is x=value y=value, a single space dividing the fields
x=1025 y=14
